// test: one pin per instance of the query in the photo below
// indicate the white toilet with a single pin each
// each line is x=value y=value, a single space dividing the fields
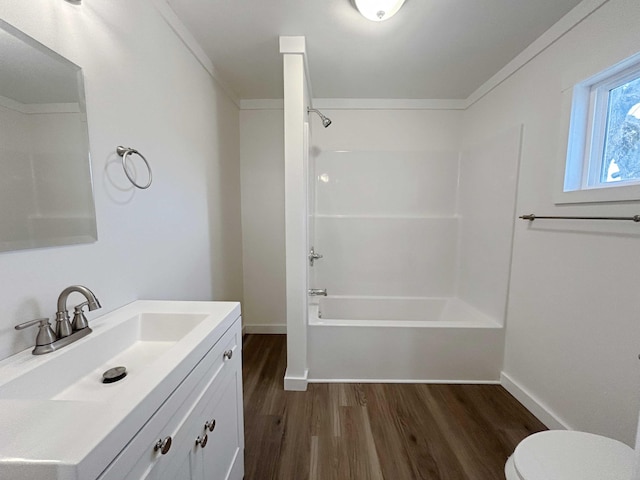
x=567 y=455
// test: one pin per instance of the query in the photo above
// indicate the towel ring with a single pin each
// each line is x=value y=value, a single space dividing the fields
x=124 y=152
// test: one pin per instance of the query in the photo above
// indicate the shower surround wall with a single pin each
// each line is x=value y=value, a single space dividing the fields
x=416 y=253
x=385 y=222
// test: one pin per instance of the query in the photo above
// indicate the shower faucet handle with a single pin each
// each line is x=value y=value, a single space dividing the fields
x=313 y=256
x=317 y=292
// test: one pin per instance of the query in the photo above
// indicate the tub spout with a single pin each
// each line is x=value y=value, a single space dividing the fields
x=317 y=292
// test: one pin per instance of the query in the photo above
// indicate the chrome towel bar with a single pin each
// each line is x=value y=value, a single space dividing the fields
x=124 y=152
x=531 y=217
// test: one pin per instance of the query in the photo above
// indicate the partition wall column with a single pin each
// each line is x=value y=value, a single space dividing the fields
x=296 y=96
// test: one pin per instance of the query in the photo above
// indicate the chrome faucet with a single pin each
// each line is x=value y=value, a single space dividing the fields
x=66 y=333
x=317 y=292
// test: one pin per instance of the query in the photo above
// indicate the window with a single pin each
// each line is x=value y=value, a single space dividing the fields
x=603 y=154
x=620 y=160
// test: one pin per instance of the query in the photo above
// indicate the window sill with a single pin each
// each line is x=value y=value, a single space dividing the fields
x=617 y=193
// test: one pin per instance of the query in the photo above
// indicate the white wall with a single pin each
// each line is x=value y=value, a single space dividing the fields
x=572 y=320
x=486 y=206
x=389 y=130
x=263 y=250
x=181 y=239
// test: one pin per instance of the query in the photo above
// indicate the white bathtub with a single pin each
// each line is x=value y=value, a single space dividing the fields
x=398 y=312
x=402 y=339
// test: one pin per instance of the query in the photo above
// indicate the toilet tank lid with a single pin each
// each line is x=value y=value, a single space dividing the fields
x=564 y=454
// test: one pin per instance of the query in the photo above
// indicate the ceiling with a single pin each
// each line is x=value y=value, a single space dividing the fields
x=432 y=49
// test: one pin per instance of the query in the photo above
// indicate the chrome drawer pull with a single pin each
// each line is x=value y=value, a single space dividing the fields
x=228 y=354
x=210 y=425
x=163 y=445
x=202 y=441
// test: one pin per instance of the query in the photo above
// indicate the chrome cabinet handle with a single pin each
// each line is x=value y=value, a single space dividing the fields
x=202 y=441
x=228 y=354
x=163 y=445
x=210 y=425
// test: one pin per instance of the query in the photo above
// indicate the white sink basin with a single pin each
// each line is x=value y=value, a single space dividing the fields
x=54 y=408
x=77 y=375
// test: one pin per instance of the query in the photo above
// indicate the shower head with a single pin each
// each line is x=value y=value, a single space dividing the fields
x=326 y=121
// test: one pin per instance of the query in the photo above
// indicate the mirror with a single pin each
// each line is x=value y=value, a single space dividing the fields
x=46 y=193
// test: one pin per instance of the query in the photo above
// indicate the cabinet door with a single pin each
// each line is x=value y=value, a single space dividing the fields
x=185 y=467
x=223 y=457
x=187 y=458
x=220 y=457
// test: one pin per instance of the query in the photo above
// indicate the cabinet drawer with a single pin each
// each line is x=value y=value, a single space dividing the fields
x=139 y=457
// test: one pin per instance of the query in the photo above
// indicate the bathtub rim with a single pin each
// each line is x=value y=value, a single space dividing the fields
x=482 y=321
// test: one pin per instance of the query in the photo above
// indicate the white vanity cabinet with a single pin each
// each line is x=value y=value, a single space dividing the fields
x=60 y=421
x=202 y=419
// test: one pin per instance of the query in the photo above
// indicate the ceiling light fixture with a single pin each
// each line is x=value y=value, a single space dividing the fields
x=378 y=10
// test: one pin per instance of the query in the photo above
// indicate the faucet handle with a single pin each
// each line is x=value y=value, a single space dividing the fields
x=79 y=320
x=31 y=323
x=45 y=335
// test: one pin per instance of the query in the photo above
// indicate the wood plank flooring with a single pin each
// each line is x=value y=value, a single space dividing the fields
x=373 y=431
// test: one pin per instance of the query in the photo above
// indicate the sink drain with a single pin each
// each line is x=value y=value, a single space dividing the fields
x=114 y=374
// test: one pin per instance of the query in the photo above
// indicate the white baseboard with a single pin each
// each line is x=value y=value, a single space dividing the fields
x=402 y=380
x=533 y=404
x=266 y=329
x=296 y=384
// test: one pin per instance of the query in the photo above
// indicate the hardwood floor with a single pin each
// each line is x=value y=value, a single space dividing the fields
x=373 y=431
